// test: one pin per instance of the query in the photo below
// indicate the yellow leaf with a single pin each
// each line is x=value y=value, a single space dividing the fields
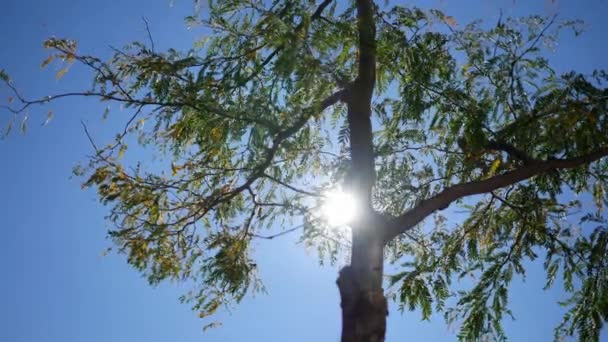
x=450 y=20
x=47 y=61
x=70 y=57
x=216 y=134
x=176 y=131
x=175 y=169
x=213 y=152
x=494 y=167
x=61 y=73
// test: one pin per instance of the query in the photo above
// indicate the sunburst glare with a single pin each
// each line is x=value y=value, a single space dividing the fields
x=339 y=208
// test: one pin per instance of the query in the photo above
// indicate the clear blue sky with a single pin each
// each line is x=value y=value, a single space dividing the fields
x=55 y=285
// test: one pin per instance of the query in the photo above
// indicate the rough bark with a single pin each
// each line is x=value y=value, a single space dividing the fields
x=364 y=306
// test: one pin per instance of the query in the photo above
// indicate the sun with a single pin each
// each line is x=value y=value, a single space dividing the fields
x=339 y=208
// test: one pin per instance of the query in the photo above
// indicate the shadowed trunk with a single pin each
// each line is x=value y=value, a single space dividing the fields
x=364 y=307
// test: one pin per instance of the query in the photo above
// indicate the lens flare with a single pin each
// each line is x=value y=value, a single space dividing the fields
x=339 y=208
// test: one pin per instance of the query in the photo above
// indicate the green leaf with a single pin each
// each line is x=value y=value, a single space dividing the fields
x=122 y=150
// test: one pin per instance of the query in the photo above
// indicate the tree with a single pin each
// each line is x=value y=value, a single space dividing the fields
x=288 y=101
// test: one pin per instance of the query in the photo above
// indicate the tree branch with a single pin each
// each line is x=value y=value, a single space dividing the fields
x=291 y=187
x=283 y=135
x=320 y=9
x=281 y=233
x=442 y=200
x=511 y=150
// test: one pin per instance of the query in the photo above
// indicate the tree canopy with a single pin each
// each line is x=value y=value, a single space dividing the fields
x=271 y=111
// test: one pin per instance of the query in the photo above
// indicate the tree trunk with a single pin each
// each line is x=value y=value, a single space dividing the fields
x=364 y=307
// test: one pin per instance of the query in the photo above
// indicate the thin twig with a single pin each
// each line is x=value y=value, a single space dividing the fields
x=270 y=237
x=149 y=33
x=86 y=131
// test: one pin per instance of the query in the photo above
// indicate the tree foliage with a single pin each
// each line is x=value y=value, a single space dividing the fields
x=254 y=120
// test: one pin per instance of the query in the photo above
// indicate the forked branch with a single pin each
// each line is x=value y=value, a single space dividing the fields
x=442 y=200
